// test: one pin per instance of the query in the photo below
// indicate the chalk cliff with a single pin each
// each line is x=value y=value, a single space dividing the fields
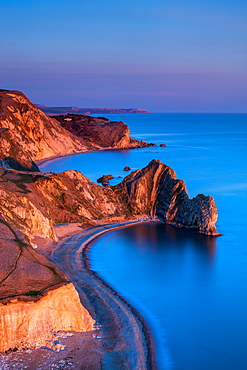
x=36 y=300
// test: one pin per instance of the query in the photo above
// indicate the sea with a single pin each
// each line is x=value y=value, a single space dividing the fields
x=191 y=289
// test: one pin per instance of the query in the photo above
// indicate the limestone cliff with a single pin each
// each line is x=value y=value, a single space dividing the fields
x=28 y=135
x=36 y=300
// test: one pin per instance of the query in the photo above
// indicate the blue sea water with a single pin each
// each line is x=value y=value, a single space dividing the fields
x=190 y=288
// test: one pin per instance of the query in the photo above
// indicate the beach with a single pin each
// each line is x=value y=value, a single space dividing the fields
x=121 y=338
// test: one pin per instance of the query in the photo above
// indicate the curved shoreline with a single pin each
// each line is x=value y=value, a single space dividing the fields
x=126 y=339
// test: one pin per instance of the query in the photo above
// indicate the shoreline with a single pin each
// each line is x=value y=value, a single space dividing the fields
x=126 y=328
x=151 y=356
x=42 y=161
x=121 y=338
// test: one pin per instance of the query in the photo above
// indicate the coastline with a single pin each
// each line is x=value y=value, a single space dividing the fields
x=121 y=338
x=125 y=336
x=42 y=161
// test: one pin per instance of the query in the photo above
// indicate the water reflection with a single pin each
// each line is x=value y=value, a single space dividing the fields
x=160 y=237
x=169 y=275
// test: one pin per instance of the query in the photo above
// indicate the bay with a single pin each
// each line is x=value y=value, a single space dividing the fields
x=191 y=289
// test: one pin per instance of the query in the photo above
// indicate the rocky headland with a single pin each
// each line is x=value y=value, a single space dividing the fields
x=32 y=203
x=28 y=135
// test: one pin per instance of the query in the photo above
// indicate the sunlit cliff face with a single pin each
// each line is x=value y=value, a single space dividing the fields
x=28 y=135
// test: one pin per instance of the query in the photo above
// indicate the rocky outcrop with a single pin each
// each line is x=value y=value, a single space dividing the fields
x=35 y=203
x=36 y=300
x=27 y=134
x=104 y=180
x=155 y=190
x=99 y=131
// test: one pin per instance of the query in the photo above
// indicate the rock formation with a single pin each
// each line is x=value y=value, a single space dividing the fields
x=104 y=180
x=33 y=203
x=155 y=190
x=99 y=132
x=27 y=134
x=36 y=300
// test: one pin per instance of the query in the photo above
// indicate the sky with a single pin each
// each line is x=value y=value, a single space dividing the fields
x=160 y=55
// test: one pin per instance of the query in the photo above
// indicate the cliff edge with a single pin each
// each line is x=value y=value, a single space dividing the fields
x=27 y=134
x=36 y=299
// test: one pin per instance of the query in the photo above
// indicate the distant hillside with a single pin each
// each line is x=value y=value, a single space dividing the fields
x=64 y=110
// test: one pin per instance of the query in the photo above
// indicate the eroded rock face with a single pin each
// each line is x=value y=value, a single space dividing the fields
x=27 y=134
x=155 y=190
x=36 y=300
x=35 y=203
x=28 y=324
x=99 y=132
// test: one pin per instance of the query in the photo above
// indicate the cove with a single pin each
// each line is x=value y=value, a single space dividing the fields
x=191 y=289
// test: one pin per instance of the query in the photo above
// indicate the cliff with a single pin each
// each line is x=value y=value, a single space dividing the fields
x=155 y=190
x=36 y=300
x=29 y=324
x=100 y=132
x=27 y=134
x=33 y=203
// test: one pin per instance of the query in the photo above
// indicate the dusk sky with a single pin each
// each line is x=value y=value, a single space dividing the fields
x=161 y=55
